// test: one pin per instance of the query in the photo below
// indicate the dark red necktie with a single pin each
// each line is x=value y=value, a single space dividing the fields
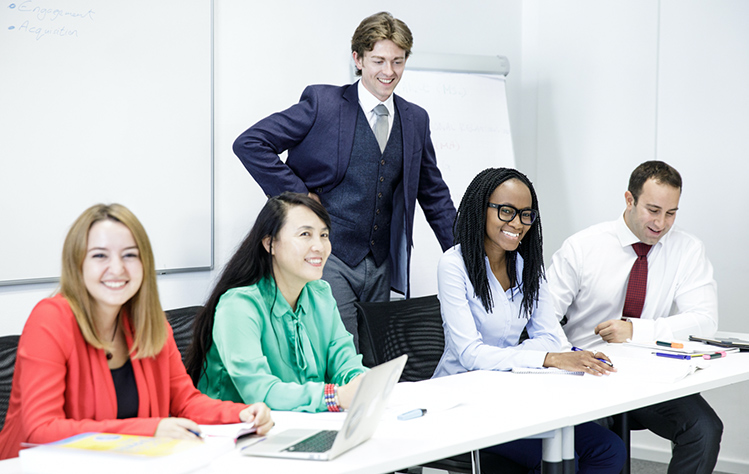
x=638 y=282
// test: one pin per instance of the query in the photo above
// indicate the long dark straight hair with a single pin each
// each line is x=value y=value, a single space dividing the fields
x=469 y=231
x=249 y=264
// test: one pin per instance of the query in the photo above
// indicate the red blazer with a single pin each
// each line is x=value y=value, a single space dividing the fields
x=62 y=386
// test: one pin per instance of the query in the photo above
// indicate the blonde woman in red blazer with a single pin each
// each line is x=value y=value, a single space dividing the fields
x=100 y=355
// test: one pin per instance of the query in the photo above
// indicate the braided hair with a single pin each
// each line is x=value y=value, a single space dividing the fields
x=469 y=231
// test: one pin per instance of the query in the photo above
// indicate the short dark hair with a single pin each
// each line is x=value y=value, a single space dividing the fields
x=661 y=172
x=249 y=264
x=469 y=231
x=377 y=27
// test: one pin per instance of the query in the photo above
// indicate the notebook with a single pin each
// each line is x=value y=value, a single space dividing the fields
x=232 y=432
x=120 y=454
x=688 y=347
x=362 y=419
x=729 y=342
x=545 y=370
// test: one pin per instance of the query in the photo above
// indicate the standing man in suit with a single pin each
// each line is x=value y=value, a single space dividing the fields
x=639 y=279
x=367 y=156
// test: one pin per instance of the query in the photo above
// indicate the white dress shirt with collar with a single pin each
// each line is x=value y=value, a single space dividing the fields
x=368 y=102
x=477 y=340
x=588 y=281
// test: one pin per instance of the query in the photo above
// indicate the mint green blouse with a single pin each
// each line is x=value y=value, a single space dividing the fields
x=265 y=352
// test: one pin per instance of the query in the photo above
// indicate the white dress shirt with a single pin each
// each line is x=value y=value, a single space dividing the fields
x=368 y=102
x=477 y=340
x=588 y=280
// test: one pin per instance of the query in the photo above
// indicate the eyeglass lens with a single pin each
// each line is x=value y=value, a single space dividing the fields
x=508 y=213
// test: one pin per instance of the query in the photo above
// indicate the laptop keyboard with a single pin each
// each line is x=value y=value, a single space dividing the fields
x=317 y=443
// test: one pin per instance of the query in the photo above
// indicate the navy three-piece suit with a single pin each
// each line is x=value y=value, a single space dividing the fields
x=318 y=133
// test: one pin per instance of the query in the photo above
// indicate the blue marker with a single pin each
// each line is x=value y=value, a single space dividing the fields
x=577 y=349
x=673 y=356
x=410 y=415
x=196 y=433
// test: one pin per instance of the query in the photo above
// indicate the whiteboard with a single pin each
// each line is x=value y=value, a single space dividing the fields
x=470 y=126
x=469 y=121
x=105 y=101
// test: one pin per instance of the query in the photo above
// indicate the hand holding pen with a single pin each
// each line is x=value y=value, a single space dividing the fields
x=603 y=357
x=178 y=428
x=580 y=360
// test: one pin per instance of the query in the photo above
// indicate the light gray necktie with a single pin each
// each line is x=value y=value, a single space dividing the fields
x=381 y=126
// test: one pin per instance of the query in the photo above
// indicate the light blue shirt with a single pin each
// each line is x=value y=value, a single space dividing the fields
x=477 y=340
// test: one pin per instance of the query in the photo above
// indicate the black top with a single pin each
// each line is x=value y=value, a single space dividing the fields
x=127 y=391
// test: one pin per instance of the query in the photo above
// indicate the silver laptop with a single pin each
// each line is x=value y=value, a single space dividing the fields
x=361 y=421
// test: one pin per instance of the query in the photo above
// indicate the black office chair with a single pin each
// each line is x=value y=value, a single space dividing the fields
x=8 y=349
x=414 y=326
x=182 y=322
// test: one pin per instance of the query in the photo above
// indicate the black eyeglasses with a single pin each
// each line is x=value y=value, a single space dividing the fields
x=507 y=213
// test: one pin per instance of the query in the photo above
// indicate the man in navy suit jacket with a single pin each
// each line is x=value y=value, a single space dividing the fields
x=370 y=189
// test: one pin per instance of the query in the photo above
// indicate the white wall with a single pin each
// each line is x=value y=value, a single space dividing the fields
x=319 y=52
x=595 y=88
x=619 y=83
x=265 y=54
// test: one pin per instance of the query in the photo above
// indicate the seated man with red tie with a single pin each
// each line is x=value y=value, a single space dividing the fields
x=638 y=279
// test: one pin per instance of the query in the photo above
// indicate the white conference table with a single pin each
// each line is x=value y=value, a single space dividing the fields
x=498 y=407
x=495 y=407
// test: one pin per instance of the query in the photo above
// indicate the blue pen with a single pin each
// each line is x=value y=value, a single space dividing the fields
x=410 y=415
x=196 y=433
x=673 y=356
x=577 y=349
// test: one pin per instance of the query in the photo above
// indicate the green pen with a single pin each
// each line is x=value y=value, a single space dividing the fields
x=715 y=355
x=674 y=345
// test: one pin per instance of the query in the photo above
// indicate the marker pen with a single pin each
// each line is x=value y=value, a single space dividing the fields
x=716 y=355
x=410 y=415
x=673 y=356
x=673 y=345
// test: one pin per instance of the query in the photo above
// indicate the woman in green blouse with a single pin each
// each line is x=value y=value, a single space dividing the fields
x=271 y=330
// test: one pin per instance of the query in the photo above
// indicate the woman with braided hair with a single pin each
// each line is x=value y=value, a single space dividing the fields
x=491 y=287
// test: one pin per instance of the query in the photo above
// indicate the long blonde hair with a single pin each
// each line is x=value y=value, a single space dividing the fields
x=143 y=309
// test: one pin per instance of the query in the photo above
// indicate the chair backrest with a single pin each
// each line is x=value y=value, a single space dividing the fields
x=414 y=327
x=182 y=320
x=8 y=348
x=392 y=328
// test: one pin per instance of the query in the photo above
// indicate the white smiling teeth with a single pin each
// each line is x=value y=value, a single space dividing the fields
x=510 y=234
x=114 y=284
